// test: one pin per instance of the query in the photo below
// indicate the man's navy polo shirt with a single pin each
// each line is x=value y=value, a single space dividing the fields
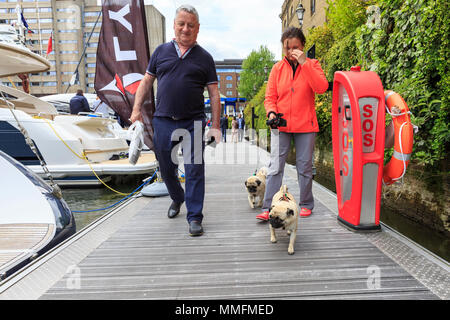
x=181 y=80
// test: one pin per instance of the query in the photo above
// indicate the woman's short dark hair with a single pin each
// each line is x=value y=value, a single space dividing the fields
x=293 y=32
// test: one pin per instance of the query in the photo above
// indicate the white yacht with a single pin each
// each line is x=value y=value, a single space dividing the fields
x=62 y=104
x=31 y=227
x=78 y=150
x=16 y=58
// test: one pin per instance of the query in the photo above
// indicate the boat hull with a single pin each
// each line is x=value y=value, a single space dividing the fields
x=17 y=60
x=28 y=228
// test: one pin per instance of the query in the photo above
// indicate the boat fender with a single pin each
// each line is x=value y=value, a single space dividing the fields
x=136 y=136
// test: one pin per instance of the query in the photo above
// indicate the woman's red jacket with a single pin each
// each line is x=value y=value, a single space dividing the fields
x=294 y=95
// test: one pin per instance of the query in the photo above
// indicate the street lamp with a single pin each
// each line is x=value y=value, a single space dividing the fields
x=300 y=12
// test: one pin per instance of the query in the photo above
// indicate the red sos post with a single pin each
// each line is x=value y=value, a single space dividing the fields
x=358 y=115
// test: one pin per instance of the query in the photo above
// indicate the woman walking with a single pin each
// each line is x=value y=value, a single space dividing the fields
x=291 y=89
x=234 y=130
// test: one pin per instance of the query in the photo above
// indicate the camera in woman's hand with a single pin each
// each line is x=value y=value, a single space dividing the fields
x=276 y=122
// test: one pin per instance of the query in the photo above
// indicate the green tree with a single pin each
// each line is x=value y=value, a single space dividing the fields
x=255 y=70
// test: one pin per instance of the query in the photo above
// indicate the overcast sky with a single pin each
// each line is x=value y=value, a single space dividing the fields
x=230 y=29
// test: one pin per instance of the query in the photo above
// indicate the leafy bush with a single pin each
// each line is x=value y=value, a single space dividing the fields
x=408 y=49
x=344 y=16
x=258 y=103
x=410 y=54
x=323 y=38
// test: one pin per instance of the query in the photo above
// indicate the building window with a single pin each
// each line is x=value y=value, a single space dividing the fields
x=229 y=85
x=69 y=52
x=49 y=84
x=91 y=14
x=229 y=93
x=229 y=78
x=313 y=6
x=218 y=77
x=94 y=34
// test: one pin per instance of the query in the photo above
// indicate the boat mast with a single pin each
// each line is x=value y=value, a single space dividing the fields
x=74 y=75
x=39 y=29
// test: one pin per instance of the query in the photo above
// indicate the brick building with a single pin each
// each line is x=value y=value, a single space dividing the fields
x=314 y=14
x=228 y=73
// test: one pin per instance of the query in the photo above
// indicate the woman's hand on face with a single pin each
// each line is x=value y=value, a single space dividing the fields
x=299 y=55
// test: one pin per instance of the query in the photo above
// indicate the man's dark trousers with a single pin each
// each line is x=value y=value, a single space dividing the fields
x=224 y=134
x=194 y=165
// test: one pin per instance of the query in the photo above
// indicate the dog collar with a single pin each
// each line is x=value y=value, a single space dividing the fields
x=285 y=198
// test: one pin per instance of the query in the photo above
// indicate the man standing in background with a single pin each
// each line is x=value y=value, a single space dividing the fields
x=241 y=123
x=224 y=127
x=79 y=103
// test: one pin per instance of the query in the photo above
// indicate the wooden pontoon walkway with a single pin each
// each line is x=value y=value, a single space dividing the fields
x=136 y=252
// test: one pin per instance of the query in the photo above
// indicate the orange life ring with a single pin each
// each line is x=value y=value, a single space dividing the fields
x=404 y=137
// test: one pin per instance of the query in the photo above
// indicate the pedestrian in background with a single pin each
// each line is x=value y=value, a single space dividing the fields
x=234 y=130
x=79 y=103
x=241 y=127
x=224 y=127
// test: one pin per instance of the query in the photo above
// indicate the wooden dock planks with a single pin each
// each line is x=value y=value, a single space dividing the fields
x=141 y=254
x=153 y=257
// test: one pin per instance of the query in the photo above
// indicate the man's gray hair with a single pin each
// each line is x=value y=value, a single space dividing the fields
x=187 y=8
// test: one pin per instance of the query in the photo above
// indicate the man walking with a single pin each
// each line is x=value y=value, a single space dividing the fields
x=224 y=127
x=79 y=103
x=241 y=123
x=183 y=69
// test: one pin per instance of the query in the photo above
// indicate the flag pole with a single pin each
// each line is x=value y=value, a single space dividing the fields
x=39 y=28
x=84 y=49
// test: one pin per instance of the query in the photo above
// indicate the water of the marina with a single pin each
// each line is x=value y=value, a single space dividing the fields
x=88 y=199
x=84 y=199
x=425 y=237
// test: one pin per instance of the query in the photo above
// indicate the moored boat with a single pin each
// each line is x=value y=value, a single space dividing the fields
x=34 y=218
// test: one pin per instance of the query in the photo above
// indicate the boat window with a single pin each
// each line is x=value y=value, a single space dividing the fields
x=8 y=96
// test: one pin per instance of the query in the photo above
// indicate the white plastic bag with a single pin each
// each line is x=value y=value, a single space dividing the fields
x=136 y=135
